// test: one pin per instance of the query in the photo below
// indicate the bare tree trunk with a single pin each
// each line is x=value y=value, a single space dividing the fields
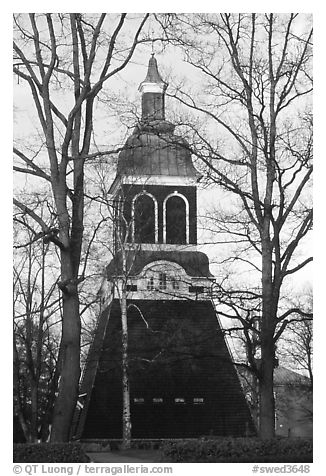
x=126 y=416
x=49 y=410
x=70 y=352
x=34 y=410
x=24 y=426
x=266 y=388
x=266 y=394
x=70 y=370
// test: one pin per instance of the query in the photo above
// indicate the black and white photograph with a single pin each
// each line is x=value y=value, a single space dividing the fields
x=162 y=241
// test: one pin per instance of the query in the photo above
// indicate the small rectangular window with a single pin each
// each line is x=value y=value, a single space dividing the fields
x=179 y=400
x=131 y=287
x=196 y=289
x=157 y=400
x=175 y=284
x=150 y=284
x=139 y=400
x=162 y=281
x=198 y=400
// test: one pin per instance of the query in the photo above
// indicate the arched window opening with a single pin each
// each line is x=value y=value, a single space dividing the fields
x=176 y=220
x=144 y=219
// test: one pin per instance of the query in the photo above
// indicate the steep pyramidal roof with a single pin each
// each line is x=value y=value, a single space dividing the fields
x=170 y=357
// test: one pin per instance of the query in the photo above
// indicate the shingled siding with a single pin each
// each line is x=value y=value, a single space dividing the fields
x=181 y=355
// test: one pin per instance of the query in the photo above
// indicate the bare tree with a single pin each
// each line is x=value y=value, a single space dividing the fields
x=240 y=310
x=37 y=319
x=251 y=130
x=79 y=53
x=296 y=343
x=123 y=251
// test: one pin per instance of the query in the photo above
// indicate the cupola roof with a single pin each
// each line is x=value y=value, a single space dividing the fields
x=153 y=148
x=152 y=153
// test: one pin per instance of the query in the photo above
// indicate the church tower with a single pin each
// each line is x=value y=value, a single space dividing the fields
x=182 y=380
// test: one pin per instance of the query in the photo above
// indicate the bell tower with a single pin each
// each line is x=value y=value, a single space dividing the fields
x=182 y=380
x=156 y=190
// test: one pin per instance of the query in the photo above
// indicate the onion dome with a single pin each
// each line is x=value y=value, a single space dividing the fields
x=153 y=148
x=150 y=153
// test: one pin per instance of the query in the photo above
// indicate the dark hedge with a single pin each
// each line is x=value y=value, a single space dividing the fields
x=238 y=450
x=49 y=453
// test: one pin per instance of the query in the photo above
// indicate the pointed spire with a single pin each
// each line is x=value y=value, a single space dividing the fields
x=153 y=75
x=153 y=80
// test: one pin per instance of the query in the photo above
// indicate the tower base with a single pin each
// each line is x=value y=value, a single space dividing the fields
x=182 y=380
